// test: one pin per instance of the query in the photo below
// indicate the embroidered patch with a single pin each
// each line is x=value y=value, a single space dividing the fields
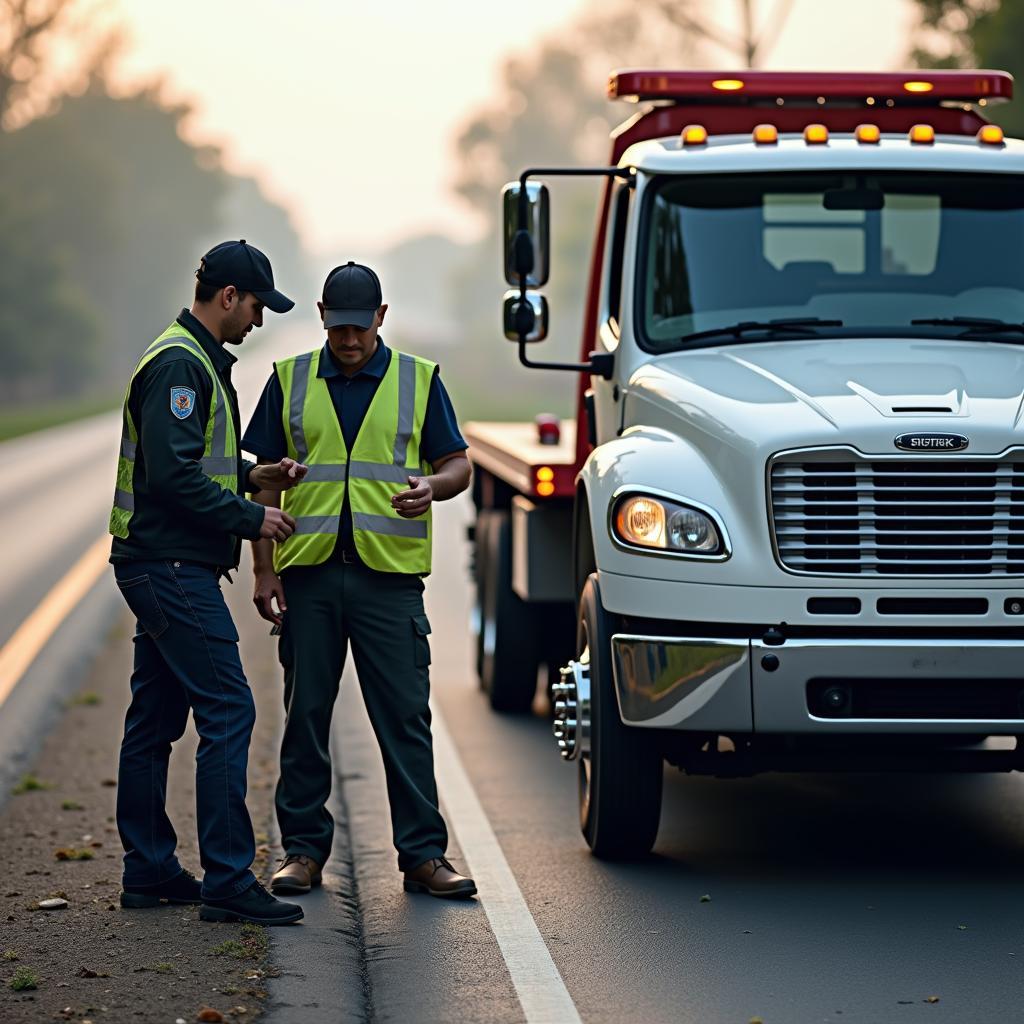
x=183 y=401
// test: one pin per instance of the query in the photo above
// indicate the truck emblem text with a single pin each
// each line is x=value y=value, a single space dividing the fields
x=932 y=442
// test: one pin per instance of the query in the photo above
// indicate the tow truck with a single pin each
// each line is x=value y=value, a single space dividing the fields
x=786 y=530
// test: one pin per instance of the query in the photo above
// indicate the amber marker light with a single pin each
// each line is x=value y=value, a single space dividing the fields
x=815 y=134
x=868 y=134
x=694 y=135
x=766 y=134
x=990 y=135
x=545 y=481
x=918 y=86
x=727 y=84
x=922 y=134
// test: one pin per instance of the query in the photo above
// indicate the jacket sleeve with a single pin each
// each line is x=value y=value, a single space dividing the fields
x=247 y=468
x=172 y=448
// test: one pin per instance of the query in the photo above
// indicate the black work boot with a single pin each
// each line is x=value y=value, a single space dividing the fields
x=182 y=889
x=255 y=904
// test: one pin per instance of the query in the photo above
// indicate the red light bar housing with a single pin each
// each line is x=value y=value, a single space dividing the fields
x=695 y=87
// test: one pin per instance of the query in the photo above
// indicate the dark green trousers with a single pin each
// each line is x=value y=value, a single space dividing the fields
x=381 y=615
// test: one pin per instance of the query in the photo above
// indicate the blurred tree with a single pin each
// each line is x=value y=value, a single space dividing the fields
x=49 y=48
x=104 y=211
x=975 y=33
x=118 y=201
x=49 y=330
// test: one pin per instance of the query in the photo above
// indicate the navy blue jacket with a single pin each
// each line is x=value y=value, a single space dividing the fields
x=180 y=513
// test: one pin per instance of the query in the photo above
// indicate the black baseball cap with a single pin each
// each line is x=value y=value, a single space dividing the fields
x=352 y=295
x=245 y=267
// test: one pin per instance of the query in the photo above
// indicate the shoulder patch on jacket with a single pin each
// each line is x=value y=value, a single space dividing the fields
x=183 y=401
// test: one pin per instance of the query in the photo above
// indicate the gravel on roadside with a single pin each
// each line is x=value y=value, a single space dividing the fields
x=90 y=960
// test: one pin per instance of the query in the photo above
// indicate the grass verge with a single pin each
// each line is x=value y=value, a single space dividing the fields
x=16 y=422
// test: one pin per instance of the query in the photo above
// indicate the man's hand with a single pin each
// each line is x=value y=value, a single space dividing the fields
x=415 y=501
x=269 y=589
x=277 y=476
x=277 y=525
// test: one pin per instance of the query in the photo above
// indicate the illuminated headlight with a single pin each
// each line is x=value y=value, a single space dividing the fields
x=650 y=522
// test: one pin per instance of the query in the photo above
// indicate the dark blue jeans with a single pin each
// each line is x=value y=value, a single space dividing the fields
x=186 y=656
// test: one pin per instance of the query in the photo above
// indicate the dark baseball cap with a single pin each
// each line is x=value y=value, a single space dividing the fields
x=245 y=267
x=352 y=295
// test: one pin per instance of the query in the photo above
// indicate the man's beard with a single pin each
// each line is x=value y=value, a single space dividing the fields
x=234 y=334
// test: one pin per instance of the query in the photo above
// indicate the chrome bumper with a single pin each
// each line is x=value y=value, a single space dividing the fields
x=718 y=685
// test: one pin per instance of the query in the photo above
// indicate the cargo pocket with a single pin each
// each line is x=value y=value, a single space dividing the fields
x=141 y=599
x=421 y=630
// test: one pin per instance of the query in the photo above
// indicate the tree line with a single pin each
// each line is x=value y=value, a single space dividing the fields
x=104 y=212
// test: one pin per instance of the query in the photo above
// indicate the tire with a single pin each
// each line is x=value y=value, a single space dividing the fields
x=509 y=646
x=620 y=779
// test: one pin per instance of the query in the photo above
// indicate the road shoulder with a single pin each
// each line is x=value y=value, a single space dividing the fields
x=93 y=960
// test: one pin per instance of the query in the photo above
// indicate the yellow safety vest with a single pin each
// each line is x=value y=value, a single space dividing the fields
x=385 y=454
x=220 y=456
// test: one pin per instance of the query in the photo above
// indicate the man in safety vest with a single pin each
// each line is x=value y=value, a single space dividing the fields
x=378 y=432
x=178 y=518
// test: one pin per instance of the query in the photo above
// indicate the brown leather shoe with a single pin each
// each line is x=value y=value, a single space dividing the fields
x=297 y=873
x=438 y=878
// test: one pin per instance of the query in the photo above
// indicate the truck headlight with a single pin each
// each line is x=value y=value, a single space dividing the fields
x=647 y=521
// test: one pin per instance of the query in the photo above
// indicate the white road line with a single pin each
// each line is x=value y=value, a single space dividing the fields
x=541 y=991
x=33 y=634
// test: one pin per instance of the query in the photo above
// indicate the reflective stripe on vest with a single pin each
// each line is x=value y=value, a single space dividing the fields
x=385 y=454
x=220 y=456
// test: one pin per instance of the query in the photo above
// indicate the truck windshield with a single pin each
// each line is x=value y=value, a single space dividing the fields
x=874 y=251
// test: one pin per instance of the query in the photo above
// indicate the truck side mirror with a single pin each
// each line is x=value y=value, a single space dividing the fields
x=529 y=318
x=527 y=244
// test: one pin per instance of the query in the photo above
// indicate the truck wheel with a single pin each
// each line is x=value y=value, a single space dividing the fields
x=509 y=653
x=620 y=778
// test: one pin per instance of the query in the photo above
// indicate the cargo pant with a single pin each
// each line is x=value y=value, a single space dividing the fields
x=381 y=615
x=186 y=658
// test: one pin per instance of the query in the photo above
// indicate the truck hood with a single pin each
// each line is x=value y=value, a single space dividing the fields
x=767 y=397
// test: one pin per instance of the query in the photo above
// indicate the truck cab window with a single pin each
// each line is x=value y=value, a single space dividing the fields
x=875 y=251
x=619 y=215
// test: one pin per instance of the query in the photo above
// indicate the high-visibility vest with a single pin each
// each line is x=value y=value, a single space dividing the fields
x=220 y=456
x=385 y=454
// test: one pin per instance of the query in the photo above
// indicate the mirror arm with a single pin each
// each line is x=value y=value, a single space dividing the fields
x=602 y=364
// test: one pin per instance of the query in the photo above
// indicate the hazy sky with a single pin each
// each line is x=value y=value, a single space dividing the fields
x=346 y=110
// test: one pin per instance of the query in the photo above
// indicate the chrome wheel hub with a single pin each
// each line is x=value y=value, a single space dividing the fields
x=572 y=709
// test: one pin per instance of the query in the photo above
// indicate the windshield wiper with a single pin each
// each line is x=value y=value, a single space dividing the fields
x=972 y=324
x=786 y=325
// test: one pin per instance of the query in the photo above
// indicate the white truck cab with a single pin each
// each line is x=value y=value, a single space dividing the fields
x=788 y=532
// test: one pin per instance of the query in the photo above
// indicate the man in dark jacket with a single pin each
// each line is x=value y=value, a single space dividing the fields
x=178 y=519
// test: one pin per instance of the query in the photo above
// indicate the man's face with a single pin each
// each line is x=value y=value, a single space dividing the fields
x=351 y=346
x=241 y=315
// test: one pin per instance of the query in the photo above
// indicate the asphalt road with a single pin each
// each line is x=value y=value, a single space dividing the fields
x=790 y=899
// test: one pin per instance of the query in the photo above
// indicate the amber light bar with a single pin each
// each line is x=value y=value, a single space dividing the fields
x=917 y=87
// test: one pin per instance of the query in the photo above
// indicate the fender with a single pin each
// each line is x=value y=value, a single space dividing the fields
x=658 y=460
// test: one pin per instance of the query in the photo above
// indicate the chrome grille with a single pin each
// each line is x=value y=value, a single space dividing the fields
x=899 y=517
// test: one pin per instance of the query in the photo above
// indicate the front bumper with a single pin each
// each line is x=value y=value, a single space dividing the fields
x=890 y=685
